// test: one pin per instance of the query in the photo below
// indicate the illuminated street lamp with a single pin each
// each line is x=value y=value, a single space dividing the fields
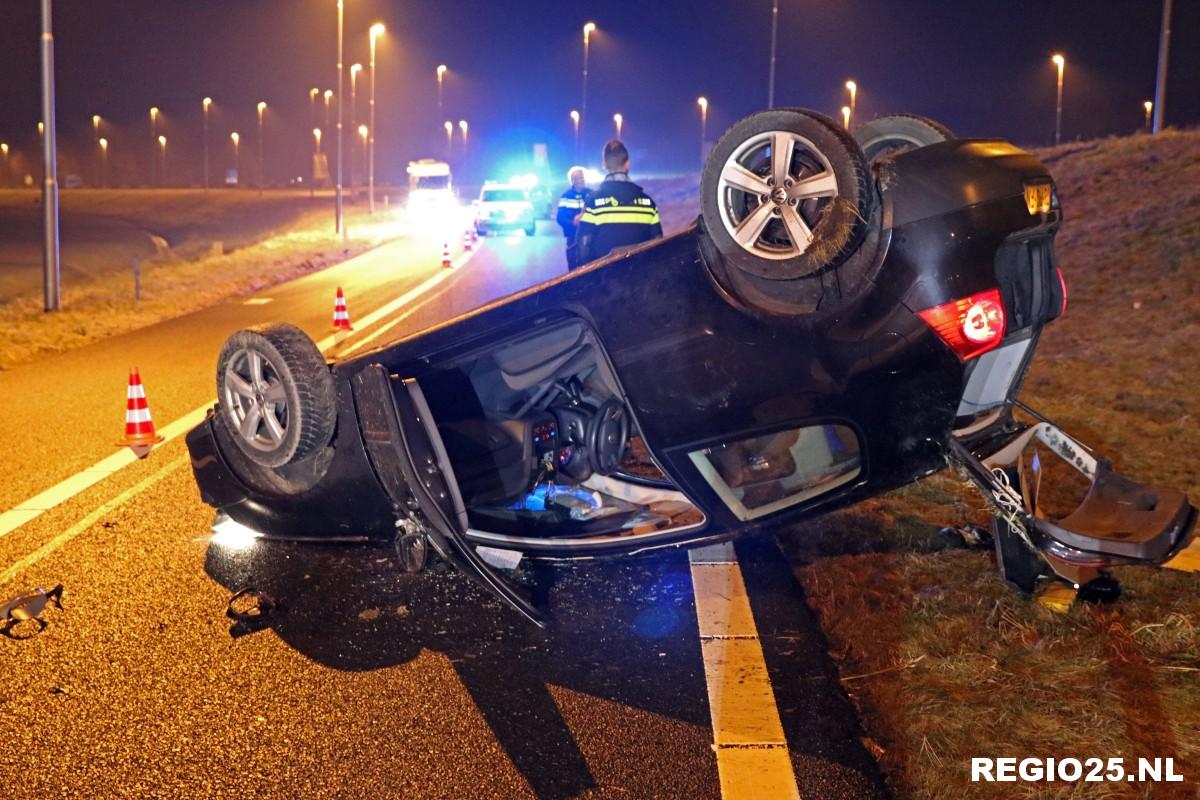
x=1059 y=62
x=153 y=138
x=354 y=70
x=4 y=153
x=1149 y=107
x=703 y=103
x=449 y=128
x=328 y=96
x=236 y=139
x=587 y=33
x=618 y=120
x=462 y=126
x=313 y=93
x=846 y=117
x=375 y=32
x=575 y=122
x=441 y=74
x=317 y=138
x=103 y=159
x=262 y=110
x=852 y=87
x=96 y=137
x=162 y=152
x=205 y=103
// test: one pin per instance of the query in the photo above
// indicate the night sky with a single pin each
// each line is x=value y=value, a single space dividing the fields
x=980 y=67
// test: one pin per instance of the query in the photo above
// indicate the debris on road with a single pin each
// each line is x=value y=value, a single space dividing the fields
x=250 y=610
x=27 y=608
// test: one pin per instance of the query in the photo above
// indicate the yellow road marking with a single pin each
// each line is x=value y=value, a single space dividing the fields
x=752 y=754
x=90 y=520
x=1187 y=559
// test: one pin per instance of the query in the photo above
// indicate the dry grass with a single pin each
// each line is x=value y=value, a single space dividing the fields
x=104 y=305
x=971 y=669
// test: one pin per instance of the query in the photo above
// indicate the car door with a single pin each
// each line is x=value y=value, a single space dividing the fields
x=407 y=454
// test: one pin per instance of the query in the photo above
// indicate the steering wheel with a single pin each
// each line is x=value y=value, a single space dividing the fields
x=608 y=433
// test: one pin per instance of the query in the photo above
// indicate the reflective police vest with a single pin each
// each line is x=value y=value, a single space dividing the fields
x=618 y=214
x=570 y=205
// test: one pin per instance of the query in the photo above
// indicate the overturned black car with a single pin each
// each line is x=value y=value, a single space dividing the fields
x=845 y=317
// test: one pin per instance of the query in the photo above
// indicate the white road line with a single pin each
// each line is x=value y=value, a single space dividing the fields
x=90 y=520
x=366 y=340
x=258 y=301
x=752 y=753
x=40 y=503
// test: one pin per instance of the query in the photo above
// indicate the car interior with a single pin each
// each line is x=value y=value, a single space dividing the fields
x=538 y=435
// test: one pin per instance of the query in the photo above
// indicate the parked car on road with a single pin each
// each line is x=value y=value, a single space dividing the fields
x=504 y=207
x=835 y=325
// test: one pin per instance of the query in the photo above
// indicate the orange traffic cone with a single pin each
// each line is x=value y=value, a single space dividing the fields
x=139 y=429
x=468 y=243
x=341 y=317
x=446 y=255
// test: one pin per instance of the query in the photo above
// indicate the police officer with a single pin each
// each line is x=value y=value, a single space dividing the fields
x=618 y=213
x=570 y=206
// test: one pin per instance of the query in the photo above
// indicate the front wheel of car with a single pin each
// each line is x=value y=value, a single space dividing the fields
x=786 y=199
x=276 y=394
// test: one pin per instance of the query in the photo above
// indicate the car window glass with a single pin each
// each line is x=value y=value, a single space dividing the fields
x=763 y=474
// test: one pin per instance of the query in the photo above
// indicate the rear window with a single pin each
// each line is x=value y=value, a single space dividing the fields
x=758 y=476
x=503 y=195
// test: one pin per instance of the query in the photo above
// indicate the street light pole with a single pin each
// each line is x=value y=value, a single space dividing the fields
x=448 y=126
x=774 y=38
x=354 y=70
x=50 y=261
x=846 y=117
x=1149 y=106
x=575 y=121
x=206 y=103
x=4 y=153
x=237 y=167
x=153 y=139
x=1160 y=82
x=703 y=103
x=1059 y=62
x=328 y=96
x=441 y=73
x=162 y=149
x=587 y=34
x=376 y=29
x=95 y=137
x=339 y=223
x=103 y=160
x=262 y=176
x=852 y=87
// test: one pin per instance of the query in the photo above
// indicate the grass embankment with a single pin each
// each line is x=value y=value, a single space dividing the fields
x=952 y=665
x=263 y=243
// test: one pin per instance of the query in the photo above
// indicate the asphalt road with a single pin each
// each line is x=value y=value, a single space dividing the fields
x=368 y=682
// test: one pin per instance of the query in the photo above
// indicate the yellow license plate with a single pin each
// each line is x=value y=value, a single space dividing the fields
x=1037 y=197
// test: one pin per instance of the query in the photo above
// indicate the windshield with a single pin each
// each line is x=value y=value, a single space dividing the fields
x=434 y=182
x=503 y=195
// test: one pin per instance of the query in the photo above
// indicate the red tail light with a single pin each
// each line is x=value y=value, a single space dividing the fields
x=970 y=326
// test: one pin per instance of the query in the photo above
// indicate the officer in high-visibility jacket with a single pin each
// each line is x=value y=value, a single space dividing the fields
x=618 y=213
x=570 y=206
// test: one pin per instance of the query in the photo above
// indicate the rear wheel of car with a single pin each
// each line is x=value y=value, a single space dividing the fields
x=276 y=394
x=786 y=199
x=898 y=133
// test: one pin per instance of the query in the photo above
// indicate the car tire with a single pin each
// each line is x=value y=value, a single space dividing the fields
x=778 y=248
x=893 y=134
x=276 y=394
